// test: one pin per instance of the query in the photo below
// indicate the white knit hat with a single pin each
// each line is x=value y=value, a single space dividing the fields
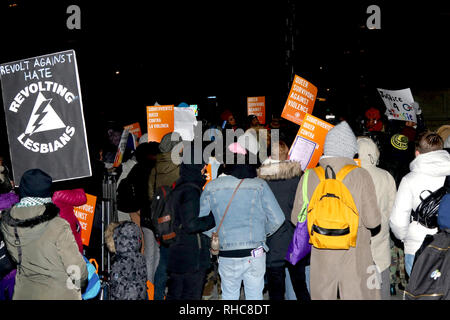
x=340 y=142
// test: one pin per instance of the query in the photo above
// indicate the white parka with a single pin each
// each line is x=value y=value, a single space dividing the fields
x=386 y=190
x=428 y=172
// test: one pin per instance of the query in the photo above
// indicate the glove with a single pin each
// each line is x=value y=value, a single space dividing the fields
x=416 y=107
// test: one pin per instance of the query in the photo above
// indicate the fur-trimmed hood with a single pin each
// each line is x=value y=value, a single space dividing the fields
x=31 y=222
x=279 y=170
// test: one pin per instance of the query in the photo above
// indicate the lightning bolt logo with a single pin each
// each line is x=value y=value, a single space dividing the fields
x=39 y=116
x=43 y=117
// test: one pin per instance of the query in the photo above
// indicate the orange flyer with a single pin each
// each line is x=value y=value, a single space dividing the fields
x=160 y=121
x=300 y=100
x=85 y=215
x=308 y=144
x=257 y=106
x=134 y=128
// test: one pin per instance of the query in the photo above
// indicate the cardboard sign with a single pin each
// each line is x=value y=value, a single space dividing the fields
x=308 y=144
x=300 y=100
x=257 y=107
x=134 y=128
x=398 y=104
x=160 y=121
x=44 y=116
x=85 y=215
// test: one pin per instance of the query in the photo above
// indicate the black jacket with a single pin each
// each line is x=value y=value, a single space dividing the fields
x=283 y=179
x=190 y=252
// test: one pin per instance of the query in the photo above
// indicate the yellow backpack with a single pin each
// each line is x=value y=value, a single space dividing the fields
x=332 y=215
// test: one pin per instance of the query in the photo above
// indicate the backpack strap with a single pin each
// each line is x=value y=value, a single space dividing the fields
x=303 y=211
x=344 y=171
x=320 y=172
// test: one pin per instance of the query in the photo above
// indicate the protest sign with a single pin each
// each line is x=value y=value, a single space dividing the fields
x=300 y=100
x=134 y=128
x=127 y=140
x=398 y=104
x=257 y=107
x=308 y=144
x=184 y=122
x=44 y=116
x=85 y=216
x=160 y=121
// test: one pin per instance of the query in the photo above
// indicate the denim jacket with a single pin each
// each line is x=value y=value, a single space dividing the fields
x=253 y=215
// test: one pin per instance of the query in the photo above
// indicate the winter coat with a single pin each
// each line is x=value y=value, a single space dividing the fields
x=66 y=200
x=283 y=178
x=165 y=172
x=50 y=256
x=128 y=268
x=428 y=172
x=350 y=269
x=190 y=252
x=385 y=190
x=7 y=200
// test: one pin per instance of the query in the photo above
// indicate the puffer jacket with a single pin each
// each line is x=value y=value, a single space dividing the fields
x=283 y=178
x=128 y=269
x=50 y=262
x=66 y=200
x=428 y=172
x=385 y=190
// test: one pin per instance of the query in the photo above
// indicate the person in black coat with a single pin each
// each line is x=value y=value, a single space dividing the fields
x=189 y=256
x=283 y=177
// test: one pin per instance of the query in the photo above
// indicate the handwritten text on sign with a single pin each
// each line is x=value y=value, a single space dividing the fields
x=398 y=104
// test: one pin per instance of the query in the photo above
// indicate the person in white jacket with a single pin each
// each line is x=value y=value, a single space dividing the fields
x=427 y=172
x=386 y=190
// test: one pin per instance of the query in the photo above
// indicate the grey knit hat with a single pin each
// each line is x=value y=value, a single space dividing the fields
x=169 y=141
x=340 y=142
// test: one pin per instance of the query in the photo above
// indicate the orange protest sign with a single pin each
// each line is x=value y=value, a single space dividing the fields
x=85 y=215
x=160 y=121
x=300 y=100
x=308 y=144
x=134 y=128
x=208 y=175
x=257 y=106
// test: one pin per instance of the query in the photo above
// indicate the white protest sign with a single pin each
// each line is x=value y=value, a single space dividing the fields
x=184 y=122
x=398 y=104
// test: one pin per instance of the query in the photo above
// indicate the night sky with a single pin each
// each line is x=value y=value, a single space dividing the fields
x=172 y=52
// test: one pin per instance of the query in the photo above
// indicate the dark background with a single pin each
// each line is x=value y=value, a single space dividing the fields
x=172 y=52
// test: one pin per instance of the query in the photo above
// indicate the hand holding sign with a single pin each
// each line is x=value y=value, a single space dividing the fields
x=399 y=104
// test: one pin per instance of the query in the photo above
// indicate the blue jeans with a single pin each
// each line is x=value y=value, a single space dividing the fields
x=409 y=261
x=161 y=274
x=233 y=271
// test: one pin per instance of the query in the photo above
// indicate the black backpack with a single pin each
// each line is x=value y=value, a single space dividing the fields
x=162 y=211
x=429 y=278
x=426 y=212
x=6 y=262
x=127 y=199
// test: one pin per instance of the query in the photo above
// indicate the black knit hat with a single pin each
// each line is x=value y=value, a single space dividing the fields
x=35 y=183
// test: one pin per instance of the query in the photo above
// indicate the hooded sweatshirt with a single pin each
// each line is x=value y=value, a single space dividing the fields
x=386 y=190
x=428 y=172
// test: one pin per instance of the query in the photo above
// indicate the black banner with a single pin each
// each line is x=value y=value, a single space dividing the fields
x=44 y=116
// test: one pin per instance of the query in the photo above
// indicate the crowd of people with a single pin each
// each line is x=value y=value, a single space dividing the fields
x=252 y=206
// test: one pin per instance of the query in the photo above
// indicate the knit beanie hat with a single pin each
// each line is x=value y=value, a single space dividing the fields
x=35 y=183
x=340 y=142
x=169 y=141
